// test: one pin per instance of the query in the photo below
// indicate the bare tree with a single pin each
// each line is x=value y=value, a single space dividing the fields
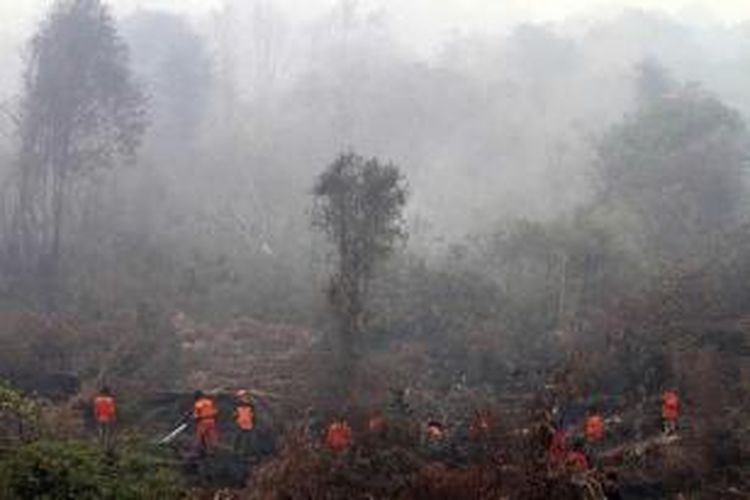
x=81 y=113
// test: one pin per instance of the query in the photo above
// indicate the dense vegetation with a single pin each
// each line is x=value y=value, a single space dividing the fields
x=181 y=210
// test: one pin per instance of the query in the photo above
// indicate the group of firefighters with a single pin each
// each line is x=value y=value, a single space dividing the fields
x=204 y=416
x=563 y=447
x=581 y=452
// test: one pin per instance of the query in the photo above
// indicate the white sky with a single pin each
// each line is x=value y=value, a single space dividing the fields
x=420 y=24
x=423 y=22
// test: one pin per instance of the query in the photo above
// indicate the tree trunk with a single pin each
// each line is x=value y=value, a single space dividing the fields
x=54 y=267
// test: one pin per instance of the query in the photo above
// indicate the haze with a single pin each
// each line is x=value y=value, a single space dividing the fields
x=445 y=248
x=426 y=22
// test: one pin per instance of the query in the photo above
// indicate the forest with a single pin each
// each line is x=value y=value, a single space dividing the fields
x=246 y=256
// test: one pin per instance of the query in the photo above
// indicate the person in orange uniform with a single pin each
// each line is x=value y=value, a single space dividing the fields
x=594 y=427
x=376 y=424
x=435 y=431
x=593 y=432
x=439 y=445
x=244 y=417
x=670 y=411
x=376 y=430
x=204 y=416
x=481 y=426
x=104 y=414
x=575 y=458
x=557 y=450
x=338 y=435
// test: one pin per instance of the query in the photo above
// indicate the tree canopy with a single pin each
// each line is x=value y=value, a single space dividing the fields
x=81 y=112
x=678 y=163
x=359 y=205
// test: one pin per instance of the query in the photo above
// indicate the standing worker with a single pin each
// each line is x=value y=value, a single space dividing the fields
x=244 y=417
x=204 y=416
x=104 y=413
x=670 y=410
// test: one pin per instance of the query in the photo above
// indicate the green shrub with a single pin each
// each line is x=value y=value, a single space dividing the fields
x=78 y=470
x=19 y=415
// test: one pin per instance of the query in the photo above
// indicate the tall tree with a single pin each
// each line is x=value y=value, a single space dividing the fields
x=678 y=163
x=173 y=63
x=359 y=205
x=81 y=113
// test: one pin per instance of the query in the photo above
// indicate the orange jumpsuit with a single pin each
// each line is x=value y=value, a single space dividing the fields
x=204 y=414
x=670 y=411
x=670 y=406
x=594 y=429
x=376 y=424
x=577 y=461
x=104 y=413
x=558 y=448
x=338 y=436
x=104 y=409
x=244 y=417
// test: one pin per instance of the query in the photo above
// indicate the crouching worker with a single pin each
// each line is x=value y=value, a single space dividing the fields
x=104 y=414
x=576 y=459
x=436 y=445
x=593 y=431
x=582 y=474
x=244 y=418
x=338 y=435
x=204 y=416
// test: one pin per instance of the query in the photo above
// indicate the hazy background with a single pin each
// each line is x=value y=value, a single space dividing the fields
x=578 y=211
x=492 y=109
x=422 y=24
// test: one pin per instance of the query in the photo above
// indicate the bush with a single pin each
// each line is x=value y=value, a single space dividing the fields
x=301 y=470
x=77 y=470
x=19 y=415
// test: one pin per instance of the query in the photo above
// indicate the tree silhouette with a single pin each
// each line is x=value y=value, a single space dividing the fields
x=359 y=205
x=81 y=113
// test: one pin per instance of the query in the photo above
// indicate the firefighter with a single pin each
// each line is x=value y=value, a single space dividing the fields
x=376 y=424
x=481 y=426
x=481 y=445
x=338 y=435
x=437 y=446
x=204 y=416
x=244 y=418
x=104 y=414
x=670 y=410
x=557 y=450
x=594 y=426
x=576 y=458
x=582 y=474
x=593 y=432
x=435 y=431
